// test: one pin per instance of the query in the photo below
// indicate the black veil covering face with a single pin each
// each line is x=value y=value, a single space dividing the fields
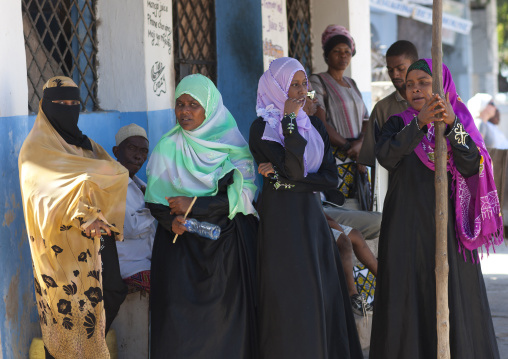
x=64 y=118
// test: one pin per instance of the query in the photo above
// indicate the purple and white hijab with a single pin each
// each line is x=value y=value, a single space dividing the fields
x=272 y=94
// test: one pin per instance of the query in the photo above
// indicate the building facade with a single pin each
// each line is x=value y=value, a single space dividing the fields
x=126 y=57
x=469 y=37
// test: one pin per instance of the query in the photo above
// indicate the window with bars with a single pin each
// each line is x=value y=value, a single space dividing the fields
x=194 y=38
x=60 y=39
x=300 y=46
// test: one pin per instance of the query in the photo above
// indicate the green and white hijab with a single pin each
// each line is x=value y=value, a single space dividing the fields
x=191 y=163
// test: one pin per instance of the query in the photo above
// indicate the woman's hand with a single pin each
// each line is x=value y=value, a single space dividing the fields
x=448 y=114
x=178 y=225
x=433 y=106
x=333 y=224
x=354 y=151
x=179 y=204
x=361 y=168
x=293 y=105
x=94 y=229
x=265 y=169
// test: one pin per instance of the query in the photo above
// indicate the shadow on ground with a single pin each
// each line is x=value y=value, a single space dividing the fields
x=495 y=274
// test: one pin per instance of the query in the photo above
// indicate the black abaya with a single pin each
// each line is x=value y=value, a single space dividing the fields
x=202 y=297
x=304 y=309
x=404 y=323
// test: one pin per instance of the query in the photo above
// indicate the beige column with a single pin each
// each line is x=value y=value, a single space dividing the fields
x=355 y=16
x=14 y=99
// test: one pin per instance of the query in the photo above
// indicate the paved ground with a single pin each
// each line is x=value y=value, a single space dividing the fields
x=495 y=273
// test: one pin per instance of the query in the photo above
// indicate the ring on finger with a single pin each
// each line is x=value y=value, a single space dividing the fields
x=92 y=231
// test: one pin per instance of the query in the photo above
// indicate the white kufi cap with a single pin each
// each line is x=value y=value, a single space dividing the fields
x=129 y=131
x=478 y=103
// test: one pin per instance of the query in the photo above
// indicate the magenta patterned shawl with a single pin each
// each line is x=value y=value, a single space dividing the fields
x=479 y=221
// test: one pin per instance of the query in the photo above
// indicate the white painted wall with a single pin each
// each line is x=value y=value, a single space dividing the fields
x=121 y=69
x=136 y=71
x=359 y=26
x=14 y=99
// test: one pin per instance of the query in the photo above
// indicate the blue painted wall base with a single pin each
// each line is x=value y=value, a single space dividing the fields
x=19 y=322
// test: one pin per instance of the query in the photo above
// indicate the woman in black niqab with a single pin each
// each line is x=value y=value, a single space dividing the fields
x=61 y=106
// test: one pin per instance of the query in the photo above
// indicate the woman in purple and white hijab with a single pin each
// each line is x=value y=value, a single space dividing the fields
x=303 y=307
x=404 y=323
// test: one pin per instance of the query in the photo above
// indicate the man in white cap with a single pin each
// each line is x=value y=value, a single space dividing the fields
x=486 y=116
x=135 y=252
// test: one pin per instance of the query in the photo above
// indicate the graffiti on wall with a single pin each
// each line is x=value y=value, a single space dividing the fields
x=275 y=35
x=158 y=78
x=158 y=18
x=159 y=24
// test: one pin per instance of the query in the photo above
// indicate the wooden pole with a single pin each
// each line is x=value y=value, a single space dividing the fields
x=441 y=184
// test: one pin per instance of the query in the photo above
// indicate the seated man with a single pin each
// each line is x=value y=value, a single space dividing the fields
x=368 y=223
x=135 y=252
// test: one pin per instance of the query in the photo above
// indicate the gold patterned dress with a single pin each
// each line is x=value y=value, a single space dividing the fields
x=64 y=189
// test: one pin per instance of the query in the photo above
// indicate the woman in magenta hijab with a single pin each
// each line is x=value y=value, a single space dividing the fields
x=303 y=306
x=404 y=323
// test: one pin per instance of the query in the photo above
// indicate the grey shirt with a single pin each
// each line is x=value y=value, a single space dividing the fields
x=392 y=104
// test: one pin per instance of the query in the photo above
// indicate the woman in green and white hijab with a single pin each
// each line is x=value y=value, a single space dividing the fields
x=202 y=291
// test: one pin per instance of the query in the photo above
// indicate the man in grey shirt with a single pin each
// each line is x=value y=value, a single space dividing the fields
x=398 y=58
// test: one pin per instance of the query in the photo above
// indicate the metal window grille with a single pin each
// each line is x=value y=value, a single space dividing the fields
x=300 y=45
x=194 y=38
x=60 y=39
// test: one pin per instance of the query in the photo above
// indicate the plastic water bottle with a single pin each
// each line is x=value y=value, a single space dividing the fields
x=203 y=229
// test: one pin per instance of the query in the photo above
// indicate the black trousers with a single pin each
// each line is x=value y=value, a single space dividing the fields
x=114 y=289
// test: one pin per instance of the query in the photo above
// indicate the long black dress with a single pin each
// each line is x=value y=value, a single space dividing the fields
x=404 y=323
x=304 y=309
x=202 y=291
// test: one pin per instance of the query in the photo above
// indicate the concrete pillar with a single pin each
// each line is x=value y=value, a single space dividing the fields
x=13 y=61
x=355 y=16
x=359 y=26
x=159 y=68
x=324 y=13
x=158 y=49
x=18 y=313
x=459 y=59
x=275 y=31
x=485 y=54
